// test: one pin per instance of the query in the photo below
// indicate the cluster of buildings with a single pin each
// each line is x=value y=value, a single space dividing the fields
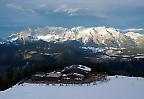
x=70 y=74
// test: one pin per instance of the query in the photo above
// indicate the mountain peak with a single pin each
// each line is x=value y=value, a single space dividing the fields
x=89 y=36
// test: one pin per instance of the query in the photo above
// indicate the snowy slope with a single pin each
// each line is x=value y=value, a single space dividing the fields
x=117 y=88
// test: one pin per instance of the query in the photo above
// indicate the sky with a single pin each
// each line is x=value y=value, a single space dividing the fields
x=16 y=15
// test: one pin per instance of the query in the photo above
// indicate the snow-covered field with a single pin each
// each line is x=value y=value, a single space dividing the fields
x=116 y=88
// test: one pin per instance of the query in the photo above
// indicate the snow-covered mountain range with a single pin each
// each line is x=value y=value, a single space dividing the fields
x=93 y=36
x=78 y=45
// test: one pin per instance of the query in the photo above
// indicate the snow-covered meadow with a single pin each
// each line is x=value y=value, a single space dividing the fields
x=120 y=87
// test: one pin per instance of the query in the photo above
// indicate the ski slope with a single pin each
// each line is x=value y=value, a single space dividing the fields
x=120 y=87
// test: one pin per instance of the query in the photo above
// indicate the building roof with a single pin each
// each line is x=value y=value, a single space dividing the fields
x=75 y=74
x=77 y=68
x=84 y=68
x=39 y=75
x=54 y=74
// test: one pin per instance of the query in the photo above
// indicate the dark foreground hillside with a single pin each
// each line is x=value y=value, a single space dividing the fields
x=20 y=61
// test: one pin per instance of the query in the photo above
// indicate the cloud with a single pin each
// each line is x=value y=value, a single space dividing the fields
x=20 y=8
x=98 y=8
x=133 y=30
x=68 y=10
x=14 y=6
x=122 y=13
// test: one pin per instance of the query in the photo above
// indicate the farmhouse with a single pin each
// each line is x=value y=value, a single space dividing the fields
x=76 y=69
x=73 y=77
x=53 y=76
x=75 y=72
x=38 y=76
